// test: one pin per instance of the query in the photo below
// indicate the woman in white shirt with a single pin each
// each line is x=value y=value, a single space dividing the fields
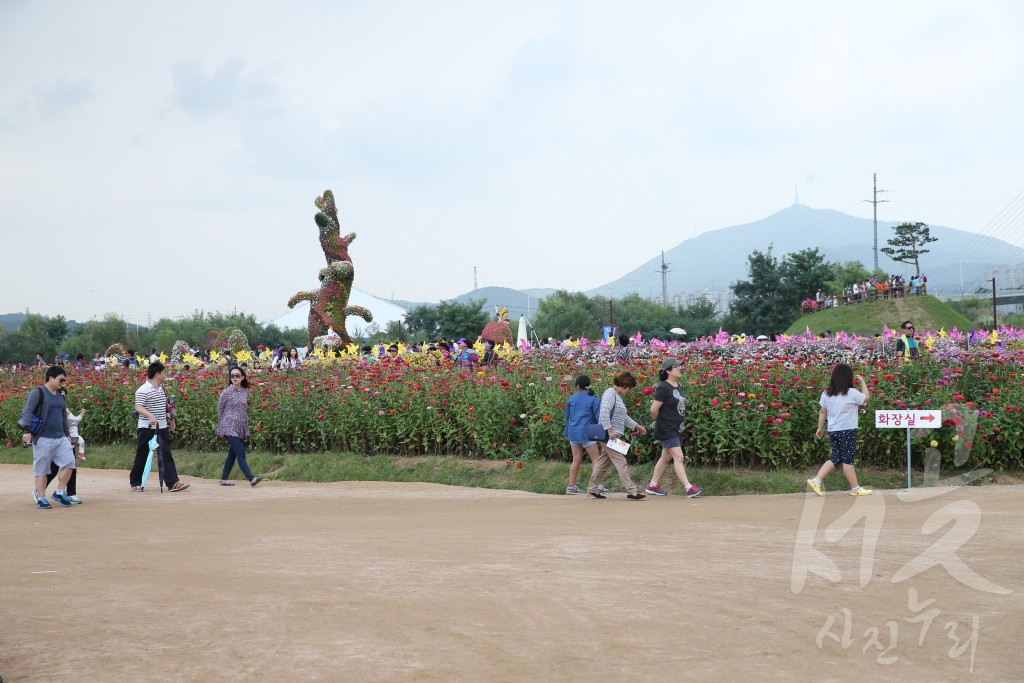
x=840 y=403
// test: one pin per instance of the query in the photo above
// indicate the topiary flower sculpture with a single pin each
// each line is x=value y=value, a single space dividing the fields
x=328 y=305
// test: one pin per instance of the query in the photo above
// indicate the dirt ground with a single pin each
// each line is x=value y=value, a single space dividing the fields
x=421 y=582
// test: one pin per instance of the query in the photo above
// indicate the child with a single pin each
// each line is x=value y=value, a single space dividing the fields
x=840 y=403
x=73 y=421
x=581 y=410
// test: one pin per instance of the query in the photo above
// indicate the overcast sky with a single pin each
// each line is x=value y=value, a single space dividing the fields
x=161 y=158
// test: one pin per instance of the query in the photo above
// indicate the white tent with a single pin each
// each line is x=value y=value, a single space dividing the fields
x=521 y=334
x=383 y=312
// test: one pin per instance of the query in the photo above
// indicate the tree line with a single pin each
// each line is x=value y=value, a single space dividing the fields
x=53 y=336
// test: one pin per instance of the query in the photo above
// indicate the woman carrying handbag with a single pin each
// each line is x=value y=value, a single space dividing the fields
x=614 y=420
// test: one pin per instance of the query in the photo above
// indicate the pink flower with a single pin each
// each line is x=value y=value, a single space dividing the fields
x=648 y=391
x=380 y=412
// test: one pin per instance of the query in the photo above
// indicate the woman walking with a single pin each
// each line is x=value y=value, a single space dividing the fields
x=669 y=413
x=840 y=404
x=616 y=421
x=233 y=424
x=581 y=410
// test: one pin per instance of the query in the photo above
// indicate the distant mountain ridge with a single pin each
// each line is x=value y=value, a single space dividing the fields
x=718 y=258
x=519 y=302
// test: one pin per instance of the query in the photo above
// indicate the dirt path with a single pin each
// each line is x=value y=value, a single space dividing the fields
x=421 y=582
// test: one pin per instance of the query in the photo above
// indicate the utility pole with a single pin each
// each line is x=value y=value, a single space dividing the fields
x=994 y=319
x=875 y=201
x=664 y=280
x=611 y=316
x=474 y=280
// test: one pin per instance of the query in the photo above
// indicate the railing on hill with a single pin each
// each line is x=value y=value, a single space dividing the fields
x=880 y=293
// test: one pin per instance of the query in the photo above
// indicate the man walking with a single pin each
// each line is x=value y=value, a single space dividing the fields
x=151 y=405
x=51 y=442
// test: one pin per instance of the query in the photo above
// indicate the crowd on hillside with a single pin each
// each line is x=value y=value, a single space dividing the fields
x=873 y=289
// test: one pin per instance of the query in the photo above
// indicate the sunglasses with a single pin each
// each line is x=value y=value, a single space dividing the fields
x=234 y=376
x=909 y=327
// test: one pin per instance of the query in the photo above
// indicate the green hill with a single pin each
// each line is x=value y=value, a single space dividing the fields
x=926 y=312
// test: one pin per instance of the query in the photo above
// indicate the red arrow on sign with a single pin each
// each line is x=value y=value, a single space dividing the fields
x=929 y=418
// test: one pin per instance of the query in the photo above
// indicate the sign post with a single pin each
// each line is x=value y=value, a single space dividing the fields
x=897 y=419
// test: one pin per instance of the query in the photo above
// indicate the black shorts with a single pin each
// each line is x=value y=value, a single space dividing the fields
x=844 y=447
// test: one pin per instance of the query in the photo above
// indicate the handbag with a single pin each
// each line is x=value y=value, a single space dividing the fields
x=595 y=432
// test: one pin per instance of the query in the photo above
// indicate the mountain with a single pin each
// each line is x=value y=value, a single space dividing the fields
x=11 y=321
x=518 y=302
x=716 y=259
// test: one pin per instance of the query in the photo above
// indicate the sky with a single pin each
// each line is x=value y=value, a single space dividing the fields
x=162 y=158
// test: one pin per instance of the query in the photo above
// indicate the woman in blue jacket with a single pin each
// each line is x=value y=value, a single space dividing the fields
x=582 y=409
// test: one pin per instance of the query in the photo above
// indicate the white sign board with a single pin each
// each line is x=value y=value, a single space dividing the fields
x=905 y=419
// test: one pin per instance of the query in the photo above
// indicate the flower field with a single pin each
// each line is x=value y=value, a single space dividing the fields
x=751 y=404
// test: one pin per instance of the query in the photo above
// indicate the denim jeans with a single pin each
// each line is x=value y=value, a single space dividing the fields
x=236 y=451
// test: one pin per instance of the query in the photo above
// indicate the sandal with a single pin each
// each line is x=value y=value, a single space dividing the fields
x=224 y=482
x=137 y=489
x=178 y=486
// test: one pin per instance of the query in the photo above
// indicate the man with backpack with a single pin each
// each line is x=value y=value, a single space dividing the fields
x=45 y=426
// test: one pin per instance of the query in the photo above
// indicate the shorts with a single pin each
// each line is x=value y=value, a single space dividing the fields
x=844 y=447
x=582 y=444
x=674 y=442
x=47 y=450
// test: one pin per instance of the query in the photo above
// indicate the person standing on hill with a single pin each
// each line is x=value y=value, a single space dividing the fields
x=840 y=403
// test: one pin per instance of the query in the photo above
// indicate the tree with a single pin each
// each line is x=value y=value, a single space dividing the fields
x=699 y=319
x=634 y=313
x=563 y=314
x=803 y=273
x=845 y=274
x=760 y=305
x=455 y=320
x=422 y=322
x=905 y=247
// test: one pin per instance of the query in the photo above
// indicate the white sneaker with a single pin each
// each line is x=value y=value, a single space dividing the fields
x=75 y=499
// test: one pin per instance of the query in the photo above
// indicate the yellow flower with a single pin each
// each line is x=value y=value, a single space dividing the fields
x=751 y=396
x=956 y=438
x=480 y=373
x=935 y=444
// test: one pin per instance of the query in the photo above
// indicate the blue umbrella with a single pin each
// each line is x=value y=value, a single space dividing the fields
x=154 y=444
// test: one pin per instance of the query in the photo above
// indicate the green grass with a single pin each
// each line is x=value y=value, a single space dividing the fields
x=545 y=476
x=867 y=318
